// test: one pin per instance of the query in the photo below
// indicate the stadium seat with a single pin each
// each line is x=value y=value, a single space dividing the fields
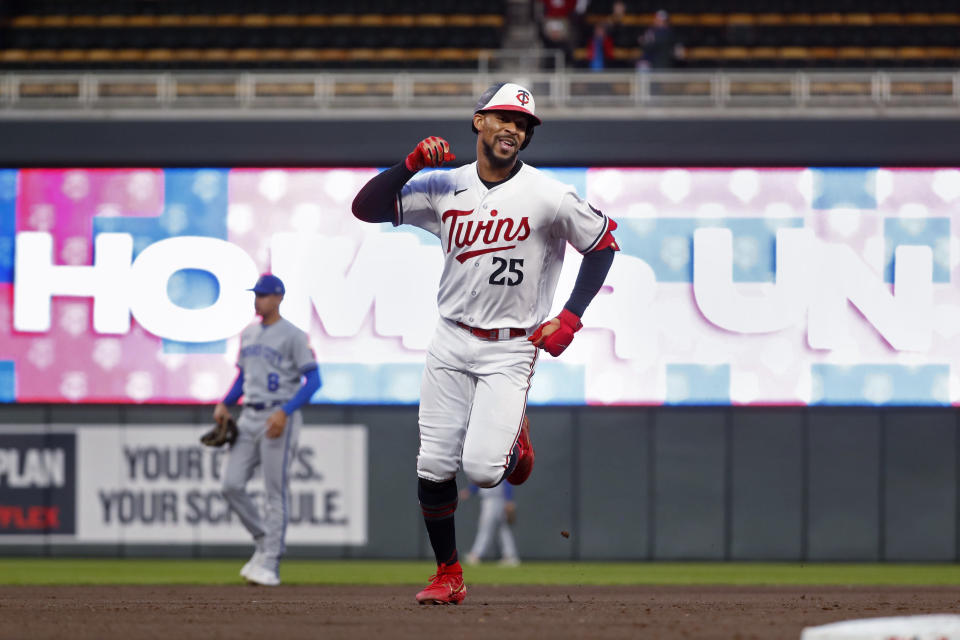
x=217 y=33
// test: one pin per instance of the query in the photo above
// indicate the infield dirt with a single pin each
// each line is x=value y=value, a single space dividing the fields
x=290 y=612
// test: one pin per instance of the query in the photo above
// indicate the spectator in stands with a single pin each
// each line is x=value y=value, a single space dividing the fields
x=621 y=34
x=616 y=25
x=558 y=25
x=600 y=48
x=660 y=47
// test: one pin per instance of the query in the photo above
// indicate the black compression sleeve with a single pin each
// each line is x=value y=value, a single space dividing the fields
x=374 y=203
x=593 y=271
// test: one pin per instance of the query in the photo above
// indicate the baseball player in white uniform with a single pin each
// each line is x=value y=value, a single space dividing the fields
x=274 y=357
x=503 y=228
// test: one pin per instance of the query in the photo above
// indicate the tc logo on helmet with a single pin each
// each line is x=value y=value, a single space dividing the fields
x=523 y=97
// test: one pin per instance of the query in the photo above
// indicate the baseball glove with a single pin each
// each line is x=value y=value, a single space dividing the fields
x=224 y=432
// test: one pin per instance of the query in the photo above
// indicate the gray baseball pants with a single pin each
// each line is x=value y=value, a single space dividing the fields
x=274 y=456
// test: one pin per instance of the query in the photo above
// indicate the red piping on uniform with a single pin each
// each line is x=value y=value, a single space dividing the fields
x=466 y=255
x=438 y=513
x=520 y=426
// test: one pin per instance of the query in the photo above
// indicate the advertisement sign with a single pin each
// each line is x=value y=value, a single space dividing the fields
x=159 y=485
x=37 y=481
x=733 y=286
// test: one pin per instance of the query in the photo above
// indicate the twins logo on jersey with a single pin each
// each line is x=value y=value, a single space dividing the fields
x=466 y=233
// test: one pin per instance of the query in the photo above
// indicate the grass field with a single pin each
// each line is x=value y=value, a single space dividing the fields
x=61 y=571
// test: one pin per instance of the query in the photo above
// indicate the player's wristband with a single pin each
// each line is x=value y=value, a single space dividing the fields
x=570 y=319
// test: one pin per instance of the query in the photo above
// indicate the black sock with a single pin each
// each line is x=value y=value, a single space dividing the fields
x=438 y=501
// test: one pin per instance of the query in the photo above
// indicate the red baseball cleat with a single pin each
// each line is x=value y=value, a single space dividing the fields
x=446 y=586
x=525 y=465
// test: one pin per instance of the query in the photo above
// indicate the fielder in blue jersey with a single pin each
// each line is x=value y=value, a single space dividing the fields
x=278 y=374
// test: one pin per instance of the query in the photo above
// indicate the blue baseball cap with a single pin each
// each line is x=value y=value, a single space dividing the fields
x=268 y=284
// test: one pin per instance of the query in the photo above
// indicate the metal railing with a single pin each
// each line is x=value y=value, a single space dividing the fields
x=562 y=93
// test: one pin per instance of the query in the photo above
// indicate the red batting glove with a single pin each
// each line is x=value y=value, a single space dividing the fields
x=557 y=334
x=431 y=152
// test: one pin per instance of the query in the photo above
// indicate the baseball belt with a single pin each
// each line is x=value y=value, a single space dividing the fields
x=493 y=334
x=260 y=406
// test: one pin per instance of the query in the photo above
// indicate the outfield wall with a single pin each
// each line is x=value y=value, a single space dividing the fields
x=692 y=483
x=261 y=140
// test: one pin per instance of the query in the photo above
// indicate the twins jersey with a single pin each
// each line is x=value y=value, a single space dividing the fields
x=273 y=359
x=503 y=247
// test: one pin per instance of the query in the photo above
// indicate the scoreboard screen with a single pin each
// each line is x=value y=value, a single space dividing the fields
x=739 y=286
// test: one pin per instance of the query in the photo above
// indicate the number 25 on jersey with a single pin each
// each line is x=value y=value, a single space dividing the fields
x=514 y=276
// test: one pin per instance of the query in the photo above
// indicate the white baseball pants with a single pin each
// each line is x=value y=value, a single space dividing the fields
x=472 y=401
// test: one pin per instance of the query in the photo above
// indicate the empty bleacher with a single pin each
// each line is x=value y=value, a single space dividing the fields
x=283 y=34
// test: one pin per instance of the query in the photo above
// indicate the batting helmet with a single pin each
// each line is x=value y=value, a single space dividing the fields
x=508 y=96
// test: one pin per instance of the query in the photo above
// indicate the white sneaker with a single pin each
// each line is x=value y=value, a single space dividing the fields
x=510 y=562
x=262 y=576
x=255 y=559
x=473 y=559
